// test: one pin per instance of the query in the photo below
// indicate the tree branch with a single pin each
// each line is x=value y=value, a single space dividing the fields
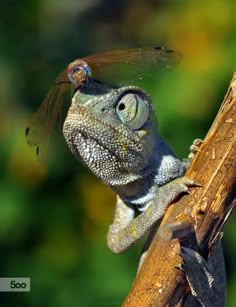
x=159 y=282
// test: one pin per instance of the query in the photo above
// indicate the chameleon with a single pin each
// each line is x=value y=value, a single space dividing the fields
x=112 y=130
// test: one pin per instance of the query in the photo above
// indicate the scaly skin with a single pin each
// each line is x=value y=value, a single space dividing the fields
x=113 y=131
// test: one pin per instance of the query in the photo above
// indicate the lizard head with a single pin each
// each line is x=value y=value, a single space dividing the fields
x=112 y=131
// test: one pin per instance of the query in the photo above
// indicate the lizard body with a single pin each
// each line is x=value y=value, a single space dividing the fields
x=113 y=131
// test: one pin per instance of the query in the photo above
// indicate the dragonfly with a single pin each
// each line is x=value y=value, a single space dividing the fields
x=117 y=66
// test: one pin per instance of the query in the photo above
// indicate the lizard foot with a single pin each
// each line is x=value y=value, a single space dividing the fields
x=182 y=184
x=171 y=190
x=194 y=148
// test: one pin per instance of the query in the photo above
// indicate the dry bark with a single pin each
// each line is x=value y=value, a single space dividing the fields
x=159 y=282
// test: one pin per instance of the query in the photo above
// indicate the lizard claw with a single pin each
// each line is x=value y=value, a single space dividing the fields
x=185 y=183
x=195 y=147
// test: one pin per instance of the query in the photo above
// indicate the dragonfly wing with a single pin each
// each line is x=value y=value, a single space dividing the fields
x=119 y=67
x=122 y=66
x=48 y=119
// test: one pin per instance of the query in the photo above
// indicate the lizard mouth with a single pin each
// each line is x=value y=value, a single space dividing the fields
x=93 y=143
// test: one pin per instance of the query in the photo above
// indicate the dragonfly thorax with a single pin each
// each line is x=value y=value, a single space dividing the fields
x=78 y=72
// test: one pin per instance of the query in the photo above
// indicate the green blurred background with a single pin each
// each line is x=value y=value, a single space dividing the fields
x=53 y=223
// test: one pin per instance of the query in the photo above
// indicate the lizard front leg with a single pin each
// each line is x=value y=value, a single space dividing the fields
x=126 y=230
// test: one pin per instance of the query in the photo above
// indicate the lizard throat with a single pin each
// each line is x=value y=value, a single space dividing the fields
x=101 y=159
x=138 y=192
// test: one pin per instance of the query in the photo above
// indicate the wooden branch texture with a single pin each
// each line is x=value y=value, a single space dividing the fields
x=159 y=282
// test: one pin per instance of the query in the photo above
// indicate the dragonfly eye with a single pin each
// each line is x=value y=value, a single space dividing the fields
x=78 y=72
x=76 y=69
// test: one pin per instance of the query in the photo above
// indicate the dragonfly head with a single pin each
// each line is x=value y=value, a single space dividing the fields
x=78 y=72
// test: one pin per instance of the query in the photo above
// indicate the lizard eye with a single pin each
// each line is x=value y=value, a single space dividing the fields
x=132 y=111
